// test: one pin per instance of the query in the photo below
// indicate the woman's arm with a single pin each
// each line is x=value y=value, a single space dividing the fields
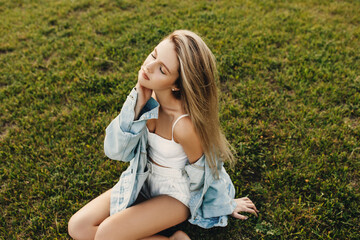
x=124 y=132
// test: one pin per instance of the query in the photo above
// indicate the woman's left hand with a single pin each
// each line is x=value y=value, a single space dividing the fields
x=244 y=205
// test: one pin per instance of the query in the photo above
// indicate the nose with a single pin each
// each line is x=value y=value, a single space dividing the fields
x=149 y=67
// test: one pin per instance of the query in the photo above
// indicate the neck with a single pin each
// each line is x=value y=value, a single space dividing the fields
x=168 y=103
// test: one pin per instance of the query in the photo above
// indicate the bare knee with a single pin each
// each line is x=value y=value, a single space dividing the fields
x=72 y=227
x=75 y=227
x=79 y=228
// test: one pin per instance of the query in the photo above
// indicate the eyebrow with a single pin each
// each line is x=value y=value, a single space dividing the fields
x=162 y=62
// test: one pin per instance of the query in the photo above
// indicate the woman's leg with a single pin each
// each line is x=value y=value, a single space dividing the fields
x=144 y=219
x=84 y=223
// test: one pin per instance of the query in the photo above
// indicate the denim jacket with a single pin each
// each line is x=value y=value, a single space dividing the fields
x=126 y=140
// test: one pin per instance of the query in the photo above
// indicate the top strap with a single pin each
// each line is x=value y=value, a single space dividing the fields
x=172 y=130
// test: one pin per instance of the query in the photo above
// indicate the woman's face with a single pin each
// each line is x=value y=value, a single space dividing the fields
x=160 y=69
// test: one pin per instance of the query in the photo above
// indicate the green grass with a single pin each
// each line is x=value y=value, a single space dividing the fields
x=290 y=106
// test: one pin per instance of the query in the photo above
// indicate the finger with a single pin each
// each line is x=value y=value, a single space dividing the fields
x=248 y=201
x=254 y=207
x=249 y=210
x=250 y=205
x=239 y=216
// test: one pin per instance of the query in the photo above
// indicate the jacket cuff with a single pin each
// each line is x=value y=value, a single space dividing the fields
x=233 y=205
x=128 y=124
x=226 y=209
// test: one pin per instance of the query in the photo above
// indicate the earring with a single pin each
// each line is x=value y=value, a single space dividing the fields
x=173 y=89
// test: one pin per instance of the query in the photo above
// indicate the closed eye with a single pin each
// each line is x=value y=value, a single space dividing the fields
x=153 y=56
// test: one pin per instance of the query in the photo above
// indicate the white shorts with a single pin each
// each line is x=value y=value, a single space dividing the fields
x=167 y=181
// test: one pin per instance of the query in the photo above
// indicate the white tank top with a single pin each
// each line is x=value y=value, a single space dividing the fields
x=164 y=152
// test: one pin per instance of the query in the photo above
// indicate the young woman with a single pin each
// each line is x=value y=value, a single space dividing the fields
x=169 y=131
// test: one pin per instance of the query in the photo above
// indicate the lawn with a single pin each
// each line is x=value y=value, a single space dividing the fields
x=290 y=106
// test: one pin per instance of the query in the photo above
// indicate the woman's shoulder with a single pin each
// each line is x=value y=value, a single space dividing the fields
x=183 y=128
x=186 y=135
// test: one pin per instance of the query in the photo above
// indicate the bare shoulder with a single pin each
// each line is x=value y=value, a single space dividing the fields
x=185 y=134
x=183 y=129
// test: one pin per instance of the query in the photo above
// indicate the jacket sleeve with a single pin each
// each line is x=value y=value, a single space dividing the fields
x=219 y=197
x=196 y=173
x=123 y=133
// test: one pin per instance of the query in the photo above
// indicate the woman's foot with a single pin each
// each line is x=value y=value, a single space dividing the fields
x=179 y=235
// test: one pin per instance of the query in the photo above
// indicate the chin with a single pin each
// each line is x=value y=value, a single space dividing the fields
x=144 y=83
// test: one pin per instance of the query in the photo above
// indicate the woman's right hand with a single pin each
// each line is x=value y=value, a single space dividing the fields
x=144 y=93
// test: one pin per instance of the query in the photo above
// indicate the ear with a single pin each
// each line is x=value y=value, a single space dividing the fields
x=175 y=86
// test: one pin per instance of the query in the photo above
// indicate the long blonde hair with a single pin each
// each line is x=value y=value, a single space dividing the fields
x=198 y=91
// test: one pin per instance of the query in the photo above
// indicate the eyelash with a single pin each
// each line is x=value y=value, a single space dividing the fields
x=160 y=67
